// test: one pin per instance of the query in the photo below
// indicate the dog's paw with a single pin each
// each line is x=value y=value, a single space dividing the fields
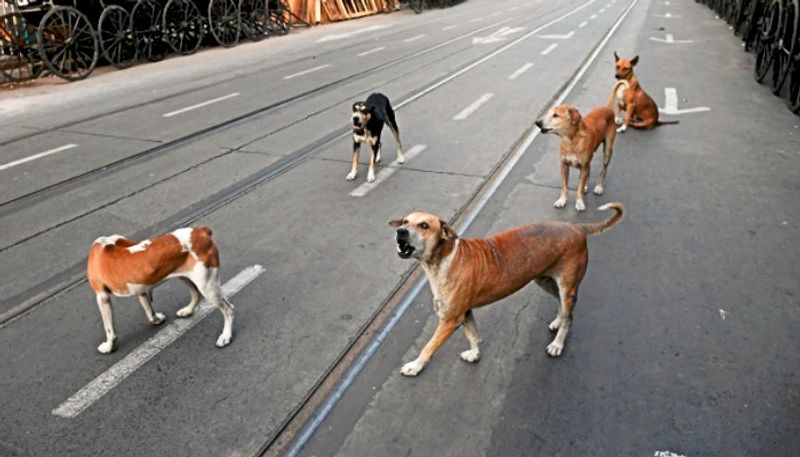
x=622 y=129
x=158 y=319
x=400 y=158
x=224 y=340
x=580 y=205
x=555 y=325
x=554 y=349
x=619 y=120
x=598 y=190
x=106 y=348
x=378 y=158
x=471 y=356
x=352 y=175
x=561 y=202
x=412 y=368
x=186 y=311
x=371 y=177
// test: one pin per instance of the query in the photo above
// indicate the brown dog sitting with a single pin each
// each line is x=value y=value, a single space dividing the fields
x=580 y=137
x=469 y=273
x=627 y=95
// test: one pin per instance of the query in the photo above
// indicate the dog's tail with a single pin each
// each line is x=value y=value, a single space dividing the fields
x=614 y=90
x=660 y=122
x=601 y=227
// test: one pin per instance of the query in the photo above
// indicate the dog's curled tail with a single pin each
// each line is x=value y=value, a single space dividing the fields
x=601 y=227
x=613 y=96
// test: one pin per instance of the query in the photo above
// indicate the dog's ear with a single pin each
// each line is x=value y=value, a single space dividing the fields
x=396 y=223
x=447 y=232
x=616 y=57
x=634 y=61
x=574 y=115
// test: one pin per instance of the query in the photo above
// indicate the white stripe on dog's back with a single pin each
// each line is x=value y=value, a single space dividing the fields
x=184 y=236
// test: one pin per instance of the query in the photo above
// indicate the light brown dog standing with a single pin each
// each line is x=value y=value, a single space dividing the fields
x=627 y=95
x=468 y=273
x=580 y=137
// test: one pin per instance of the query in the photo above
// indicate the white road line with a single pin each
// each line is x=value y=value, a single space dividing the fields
x=496 y=13
x=520 y=71
x=414 y=38
x=549 y=49
x=513 y=8
x=36 y=156
x=558 y=37
x=582 y=24
x=592 y=17
x=200 y=105
x=366 y=53
x=305 y=72
x=341 y=36
x=476 y=19
x=384 y=174
x=602 y=10
x=466 y=112
x=449 y=27
x=109 y=379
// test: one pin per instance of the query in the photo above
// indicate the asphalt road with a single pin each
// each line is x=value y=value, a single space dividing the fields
x=684 y=337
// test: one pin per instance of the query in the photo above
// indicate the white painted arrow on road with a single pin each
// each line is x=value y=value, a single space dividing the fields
x=671 y=104
x=670 y=39
x=558 y=37
x=497 y=36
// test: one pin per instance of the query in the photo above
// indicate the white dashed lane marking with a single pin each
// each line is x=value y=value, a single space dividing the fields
x=366 y=53
x=582 y=24
x=414 y=38
x=200 y=105
x=384 y=173
x=305 y=72
x=520 y=71
x=449 y=27
x=110 y=378
x=466 y=112
x=8 y=165
x=549 y=49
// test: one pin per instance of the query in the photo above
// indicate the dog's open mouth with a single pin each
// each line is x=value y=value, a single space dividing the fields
x=358 y=129
x=404 y=249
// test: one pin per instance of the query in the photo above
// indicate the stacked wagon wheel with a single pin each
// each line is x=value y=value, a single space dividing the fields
x=255 y=19
x=148 y=30
x=67 y=43
x=224 y=21
x=19 y=60
x=183 y=26
x=766 y=39
x=117 y=38
x=786 y=45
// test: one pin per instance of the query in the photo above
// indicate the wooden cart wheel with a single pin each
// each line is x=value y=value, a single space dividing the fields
x=67 y=43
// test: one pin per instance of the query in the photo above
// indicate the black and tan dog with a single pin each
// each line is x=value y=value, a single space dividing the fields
x=468 y=273
x=368 y=119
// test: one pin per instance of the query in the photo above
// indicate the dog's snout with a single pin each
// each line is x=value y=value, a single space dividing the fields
x=356 y=120
x=402 y=233
x=617 y=75
x=539 y=123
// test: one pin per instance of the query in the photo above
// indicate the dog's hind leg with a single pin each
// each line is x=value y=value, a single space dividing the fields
x=354 y=168
x=567 y=282
x=471 y=330
x=390 y=121
x=608 y=151
x=549 y=285
x=188 y=310
x=207 y=282
x=107 y=314
x=644 y=125
x=146 y=299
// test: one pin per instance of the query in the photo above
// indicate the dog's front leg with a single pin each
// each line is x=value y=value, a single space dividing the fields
x=628 y=117
x=147 y=303
x=580 y=205
x=104 y=304
x=562 y=200
x=354 y=168
x=471 y=330
x=373 y=161
x=445 y=329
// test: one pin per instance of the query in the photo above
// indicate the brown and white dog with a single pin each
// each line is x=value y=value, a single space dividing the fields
x=580 y=138
x=468 y=273
x=121 y=267
x=627 y=95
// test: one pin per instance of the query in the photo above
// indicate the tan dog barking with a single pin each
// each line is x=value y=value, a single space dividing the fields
x=468 y=273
